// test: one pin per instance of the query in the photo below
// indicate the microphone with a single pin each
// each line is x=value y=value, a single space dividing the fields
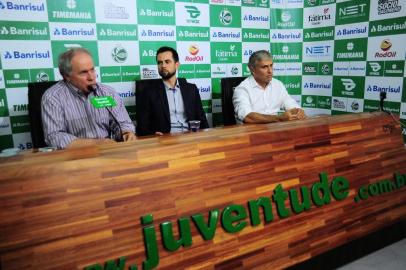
x=382 y=97
x=94 y=89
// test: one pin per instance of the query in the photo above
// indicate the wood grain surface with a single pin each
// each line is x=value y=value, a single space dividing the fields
x=75 y=208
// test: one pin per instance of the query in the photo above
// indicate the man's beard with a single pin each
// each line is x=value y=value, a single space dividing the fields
x=166 y=75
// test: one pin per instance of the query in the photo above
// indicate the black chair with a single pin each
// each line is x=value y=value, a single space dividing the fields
x=227 y=90
x=140 y=85
x=35 y=92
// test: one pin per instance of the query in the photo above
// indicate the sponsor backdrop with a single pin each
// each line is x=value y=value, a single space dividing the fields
x=334 y=56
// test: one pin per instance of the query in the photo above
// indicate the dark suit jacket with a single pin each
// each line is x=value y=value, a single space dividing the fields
x=152 y=109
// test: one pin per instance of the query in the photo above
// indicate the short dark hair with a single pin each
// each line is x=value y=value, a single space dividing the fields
x=168 y=49
x=65 y=58
x=258 y=56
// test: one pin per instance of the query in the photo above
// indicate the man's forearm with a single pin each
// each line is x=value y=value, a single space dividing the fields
x=258 y=118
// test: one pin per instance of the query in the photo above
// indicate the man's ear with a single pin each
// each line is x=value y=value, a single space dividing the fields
x=177 y=64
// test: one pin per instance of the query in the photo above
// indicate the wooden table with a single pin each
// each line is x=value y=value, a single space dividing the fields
x=81 y=208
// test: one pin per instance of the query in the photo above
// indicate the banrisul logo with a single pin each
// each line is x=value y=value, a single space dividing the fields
x=255 y=35
x=156 y=12
x=71 y=11
x=387 y=27
x=287 y=18
x=351 y=49
x=119 y=54
x=287 y=52
x=21 y=7
x=317 y=34
x=187 y=33
x=225 y=16
x=116 y=32
x=72 y=31
x=352 y=87
x=24 y=31
x=388 y=6
x=37 y=54
x=352 y=12
x=148 y=51
x=355 y=30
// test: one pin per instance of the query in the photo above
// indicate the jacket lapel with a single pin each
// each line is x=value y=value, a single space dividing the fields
x=185 y=98
x=164 y=100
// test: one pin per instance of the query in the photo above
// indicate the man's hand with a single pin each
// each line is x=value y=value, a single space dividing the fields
x=87 y=142
x=129 y=136
x=293 y=114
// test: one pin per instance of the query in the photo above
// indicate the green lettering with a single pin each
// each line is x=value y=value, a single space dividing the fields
x=111 y=265
x=207 y=231
x=294 y=200
x=363 y=194
x=400 y=180
x=339 y=188
x=150 y=243
x=321 y=187
x=254 y=205
x=385 y=186
x=94 y=267
x=373 y=189
x=279 y=198
x=231 y=214
x=185 y=236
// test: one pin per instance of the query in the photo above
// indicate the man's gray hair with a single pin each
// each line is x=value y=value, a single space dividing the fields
x=64 y=60
x=258 y=56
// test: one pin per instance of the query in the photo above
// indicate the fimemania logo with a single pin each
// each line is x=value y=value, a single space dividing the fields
x=388 y=6
x=71 y=4
x=349 y=54
x=119 y=54
x=24 y=7
x=225 y=17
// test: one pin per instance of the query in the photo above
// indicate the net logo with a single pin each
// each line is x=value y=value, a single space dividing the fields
x=386 y=45
x=25 y=7
x=115 y=12
x=119 y=54
x=30 y=55
x=349 y=84
x=225 y=17
x=388 y=6
x=352 y=11
x=317 y=19
x=318 y=50
x=194 y=50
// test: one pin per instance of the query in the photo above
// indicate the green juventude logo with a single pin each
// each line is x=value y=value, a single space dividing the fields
x=226 y=17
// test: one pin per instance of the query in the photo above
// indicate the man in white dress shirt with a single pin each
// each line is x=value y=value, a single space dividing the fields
x=259 y=98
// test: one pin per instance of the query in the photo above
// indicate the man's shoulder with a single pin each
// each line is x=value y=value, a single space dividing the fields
x=54 y=91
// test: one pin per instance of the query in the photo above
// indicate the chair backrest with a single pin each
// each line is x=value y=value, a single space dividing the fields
x=227 y=90
x=35 y=92
x=140 y=86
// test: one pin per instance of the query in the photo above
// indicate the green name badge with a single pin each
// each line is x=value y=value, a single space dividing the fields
x=103 y=101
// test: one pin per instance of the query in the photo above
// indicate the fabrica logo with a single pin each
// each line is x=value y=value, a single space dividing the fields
x=193 y=50
x=349 y=84
x=225 y=17
x=193 y=11
x=385 y=47
x=119 y=54
x=21 y=55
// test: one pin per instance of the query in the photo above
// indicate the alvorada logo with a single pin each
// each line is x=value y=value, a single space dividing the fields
x=194 y=12
x=30 y=31
x=71 y=4
x=29 y=55
x=317 y=19
x=25 y=7
x=152 y=33
x=226 y=17
x=119 y=54
x=63 y=31
x=112 y=11
x=254 y=18
x=352 y=11
x=386 y=44
x=352 y=31
x=286 y=17
x=388 y=6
